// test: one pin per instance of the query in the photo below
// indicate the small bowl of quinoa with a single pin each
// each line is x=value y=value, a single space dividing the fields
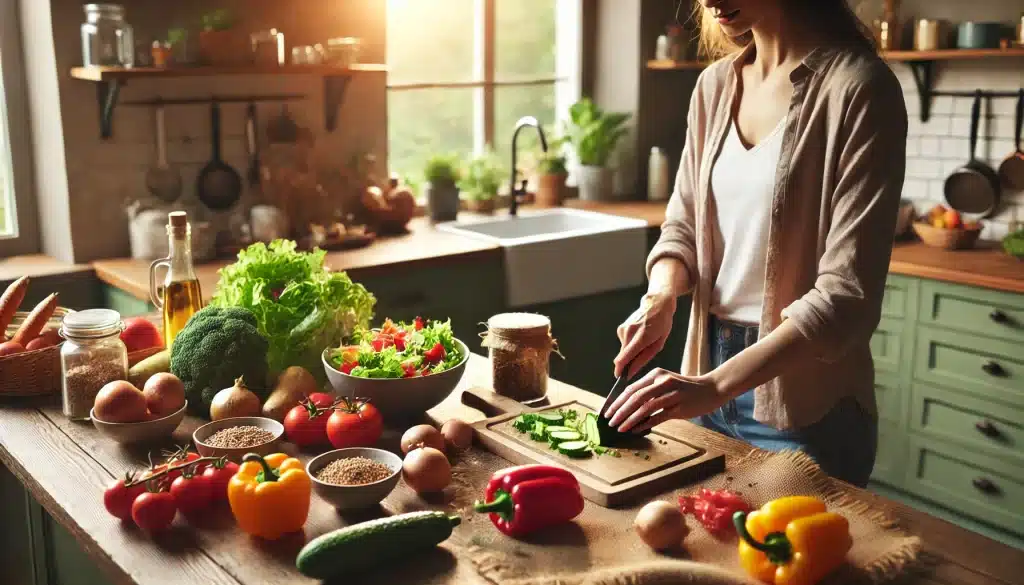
x=237 y=436
x=354 y=478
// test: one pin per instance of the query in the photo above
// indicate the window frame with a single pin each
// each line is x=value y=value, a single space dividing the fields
x=566 y=81
x=25 y=239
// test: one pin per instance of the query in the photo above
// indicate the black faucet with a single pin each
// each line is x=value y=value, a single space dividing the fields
x=516 y=193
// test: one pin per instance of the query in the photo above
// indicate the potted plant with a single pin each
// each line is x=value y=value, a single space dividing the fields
x=551 y=175
x=177 y=41
x=593 y=134
x=441 y=174
x=219 y=42
x=481 y=181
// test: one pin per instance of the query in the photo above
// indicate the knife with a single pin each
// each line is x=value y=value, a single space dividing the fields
x=620 y=384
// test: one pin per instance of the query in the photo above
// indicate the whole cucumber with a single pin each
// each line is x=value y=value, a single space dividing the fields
x=369 y=544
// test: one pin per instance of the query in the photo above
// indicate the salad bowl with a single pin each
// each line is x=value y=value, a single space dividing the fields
x=398 y=398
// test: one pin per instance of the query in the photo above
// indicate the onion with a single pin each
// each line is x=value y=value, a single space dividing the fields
x=165 y=394
x=426 y=470
x=457 y=434
x=424 y=435
x=234 y=401
x=661 y=525
x=120 y=402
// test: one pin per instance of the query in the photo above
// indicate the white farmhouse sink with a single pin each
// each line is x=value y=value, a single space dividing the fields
x=557 y=254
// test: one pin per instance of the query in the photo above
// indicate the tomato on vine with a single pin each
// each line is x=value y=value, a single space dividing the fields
x=306 y=424
x=354 y=423
x=154 y=511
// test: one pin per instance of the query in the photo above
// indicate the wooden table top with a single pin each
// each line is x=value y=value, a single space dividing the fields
x=67 y=465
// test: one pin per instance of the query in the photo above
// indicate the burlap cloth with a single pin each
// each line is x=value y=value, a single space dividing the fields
x=600 y=546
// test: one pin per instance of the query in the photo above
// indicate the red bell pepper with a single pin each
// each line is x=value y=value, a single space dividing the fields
x=523 y=499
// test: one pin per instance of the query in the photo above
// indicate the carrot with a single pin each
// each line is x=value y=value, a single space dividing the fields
x=36 y=320
x=10 y=301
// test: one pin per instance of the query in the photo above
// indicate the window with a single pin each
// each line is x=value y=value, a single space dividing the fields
x=18 y=233
x=462 y=72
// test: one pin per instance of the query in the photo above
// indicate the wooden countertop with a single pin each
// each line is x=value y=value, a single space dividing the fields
x=37 y=265
x=66 y=467
x=986 y=266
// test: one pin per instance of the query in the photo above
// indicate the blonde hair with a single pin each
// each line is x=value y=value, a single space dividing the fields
x=836 y=16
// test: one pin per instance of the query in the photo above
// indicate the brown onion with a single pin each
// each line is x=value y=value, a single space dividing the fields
x=426 y=470
x=457 y=434
x=424 y=435
x=661 y=525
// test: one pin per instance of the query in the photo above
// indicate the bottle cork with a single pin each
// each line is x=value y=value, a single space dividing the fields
x=177 y=223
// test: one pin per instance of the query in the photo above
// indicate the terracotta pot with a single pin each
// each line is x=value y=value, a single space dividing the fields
x=550 y=190
x=481 y=205
x=223 y=47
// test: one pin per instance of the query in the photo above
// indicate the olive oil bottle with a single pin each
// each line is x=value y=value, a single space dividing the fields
x=180 y=296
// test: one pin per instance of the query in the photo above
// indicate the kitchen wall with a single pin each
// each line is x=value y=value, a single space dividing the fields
x=102 y=174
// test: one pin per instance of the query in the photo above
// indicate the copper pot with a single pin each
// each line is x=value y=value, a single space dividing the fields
x=930 y=34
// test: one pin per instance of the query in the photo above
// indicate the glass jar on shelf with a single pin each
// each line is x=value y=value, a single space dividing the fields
x=91 y=356
x=107 y=40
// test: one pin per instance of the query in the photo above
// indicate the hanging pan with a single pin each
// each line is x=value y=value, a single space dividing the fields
x=219 y=186
x=973 y=189
x=1011 y=171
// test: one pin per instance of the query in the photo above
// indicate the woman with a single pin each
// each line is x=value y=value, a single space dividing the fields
x=781 y=226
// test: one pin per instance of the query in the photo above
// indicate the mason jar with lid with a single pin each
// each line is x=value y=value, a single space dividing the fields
x=519 y=346
x=106 y=38
x=92 y=355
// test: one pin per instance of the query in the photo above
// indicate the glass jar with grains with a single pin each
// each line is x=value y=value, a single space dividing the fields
x=92 y=355
x=520 y=346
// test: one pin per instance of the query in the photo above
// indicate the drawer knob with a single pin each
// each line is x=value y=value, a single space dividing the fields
x=986 y=428
x=999 y=316
x=985 y=485
x=993 y=368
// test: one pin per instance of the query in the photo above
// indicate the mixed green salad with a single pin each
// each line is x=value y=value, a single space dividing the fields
x=399 y=350
x=565 y=431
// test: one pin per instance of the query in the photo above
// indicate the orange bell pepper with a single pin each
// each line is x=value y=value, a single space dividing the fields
x=269 y=496
x=792 y=541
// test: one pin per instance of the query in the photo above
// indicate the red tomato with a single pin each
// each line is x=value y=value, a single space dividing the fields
x=323 y=399
x=435 y=354
x=217 y=479
x=191 y=494
x=176 y=459
x=118 y=499
x=355 y=423
x=306 y=424
x=382 y=341
x=347 y=368
x=419 y=323
x=409 y=371
x=400 y=341
x=154 y=511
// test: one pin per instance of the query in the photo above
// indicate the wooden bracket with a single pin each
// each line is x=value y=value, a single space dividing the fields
x=334 y=93
x=106 y=95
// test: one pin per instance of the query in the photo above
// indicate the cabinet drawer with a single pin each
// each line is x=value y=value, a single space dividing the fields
x=892 y=454
x=887 y=345
x=963 y=480
x=987 y=367
x=973 y=422
x=889 y=396
x=896 y=299
x=974 y=310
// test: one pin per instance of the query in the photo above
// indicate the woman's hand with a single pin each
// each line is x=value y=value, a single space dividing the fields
x=666 y=395
x=644 y=333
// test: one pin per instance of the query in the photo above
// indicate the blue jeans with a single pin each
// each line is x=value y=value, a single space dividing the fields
x=843 y=442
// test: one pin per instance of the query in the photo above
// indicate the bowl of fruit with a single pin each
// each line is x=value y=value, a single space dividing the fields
x=943 y=227
x=404 y=369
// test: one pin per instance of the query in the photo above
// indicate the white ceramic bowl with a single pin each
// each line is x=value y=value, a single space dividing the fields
x=206 y=431
x=398 y=398
x=355 y=497
x=148 y=431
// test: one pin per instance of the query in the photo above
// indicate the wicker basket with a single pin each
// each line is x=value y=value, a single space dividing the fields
x=32 y=373
x=950 y=239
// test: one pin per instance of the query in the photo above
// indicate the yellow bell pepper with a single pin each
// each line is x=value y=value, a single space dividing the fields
x=792 y=541
x=269 y=496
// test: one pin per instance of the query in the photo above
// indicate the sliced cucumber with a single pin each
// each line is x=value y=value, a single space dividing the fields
x=575 y=448
x=559 y=429
x=550 y=418
x=591 y=429
x=563 y=436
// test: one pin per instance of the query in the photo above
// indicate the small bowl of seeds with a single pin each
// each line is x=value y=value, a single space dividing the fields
x=234 y=437
x=355 y=478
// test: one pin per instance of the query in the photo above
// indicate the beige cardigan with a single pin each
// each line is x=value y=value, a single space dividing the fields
x=833 y=214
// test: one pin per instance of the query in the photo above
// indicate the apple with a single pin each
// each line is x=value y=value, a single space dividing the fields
x=140 y=333
x=952 y=219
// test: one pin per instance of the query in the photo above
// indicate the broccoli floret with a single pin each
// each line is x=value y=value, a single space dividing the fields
x=215 y=347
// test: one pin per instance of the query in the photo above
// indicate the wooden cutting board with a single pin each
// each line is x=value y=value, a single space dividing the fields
x=661 y=461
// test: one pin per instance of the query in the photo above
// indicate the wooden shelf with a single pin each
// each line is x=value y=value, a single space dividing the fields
x=124 y=74
x=663 y=65
x=953 y=54
x=109 y=80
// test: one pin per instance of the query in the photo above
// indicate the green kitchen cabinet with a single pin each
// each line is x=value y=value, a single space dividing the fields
x=123 y=302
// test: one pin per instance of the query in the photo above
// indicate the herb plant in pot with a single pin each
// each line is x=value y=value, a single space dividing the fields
x=442 y=192
x=551 y=175
x=481 y=181
x=593 y=134
x=219 y=41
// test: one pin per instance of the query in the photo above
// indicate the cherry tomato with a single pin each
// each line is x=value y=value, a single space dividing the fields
x=382 y=341
x=355 y=423
x=419 y=323
x=217 y=479
x=118 y=499
x=191 y=494
x=306 y=424
x=435 y=354
x=177 y=459
x=154 y=511
x=347 y=368
x=323 y=399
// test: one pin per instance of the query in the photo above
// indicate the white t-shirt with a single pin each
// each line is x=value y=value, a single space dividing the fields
x=743 y=185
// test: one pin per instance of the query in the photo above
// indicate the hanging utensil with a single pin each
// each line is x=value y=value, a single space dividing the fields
x=253 y=174
x=162 y=181
x=973 y=189
x=283 y=129
x=1012 y=168
x=219 y=186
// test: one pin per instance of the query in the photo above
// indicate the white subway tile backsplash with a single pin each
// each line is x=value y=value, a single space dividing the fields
x=1002 y=147
x=935 y=126
x=1003 y=107
x=1006 y=212
x=929 y=146
x=936 y=190
x=915 y=189
x=913 y=146
x=994 y=230
x=953 y=148
x=923 y=168
x=949 y=166
x=942 y=105
x=960 y=126
x=1002 y=127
